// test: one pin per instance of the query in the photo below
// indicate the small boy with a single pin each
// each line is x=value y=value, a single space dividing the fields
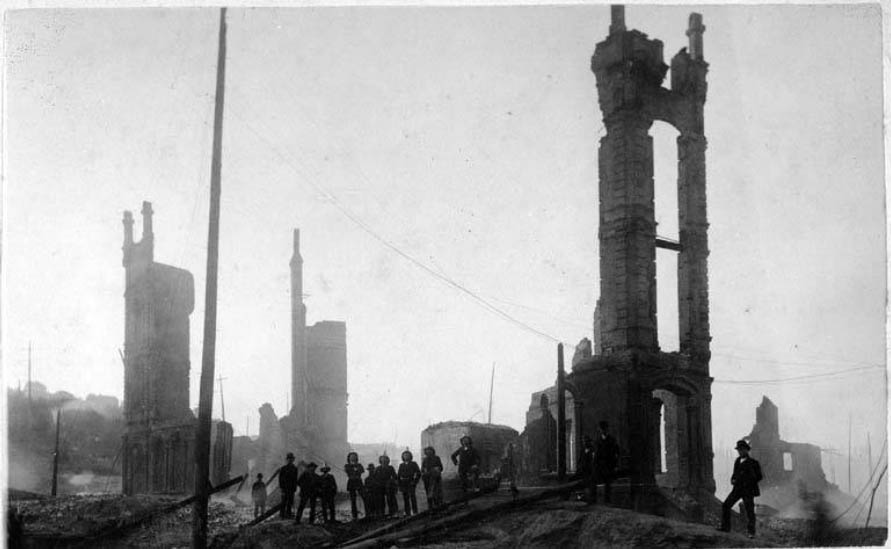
x=258 y=495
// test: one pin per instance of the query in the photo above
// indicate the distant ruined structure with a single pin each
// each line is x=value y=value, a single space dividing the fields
x=784 y=464
x=159 y=437
x=315 y=428
x=490 y=440
x=628 y=381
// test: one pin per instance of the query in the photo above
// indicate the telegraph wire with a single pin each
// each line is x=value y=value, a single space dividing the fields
x=865 y=486
x=486 y=303
x=374 y=234
x=797 y=378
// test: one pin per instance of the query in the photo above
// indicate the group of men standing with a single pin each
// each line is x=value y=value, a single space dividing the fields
x=313 y=487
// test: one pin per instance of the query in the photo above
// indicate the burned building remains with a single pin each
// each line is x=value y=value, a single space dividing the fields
x=315 y=428
x=629 y=380
x=159 y=438
x=490 y=440
x=784 y=464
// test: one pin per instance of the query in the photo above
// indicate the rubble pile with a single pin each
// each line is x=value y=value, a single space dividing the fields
x=82 y=515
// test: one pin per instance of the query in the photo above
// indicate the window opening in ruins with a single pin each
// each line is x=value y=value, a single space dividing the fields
x=665 y=191
x=787 y=461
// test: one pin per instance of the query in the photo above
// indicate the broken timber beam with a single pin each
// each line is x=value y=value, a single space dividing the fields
x=668 y=244
x=419 y=526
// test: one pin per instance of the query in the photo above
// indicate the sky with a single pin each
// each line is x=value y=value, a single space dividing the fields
x=466 y=138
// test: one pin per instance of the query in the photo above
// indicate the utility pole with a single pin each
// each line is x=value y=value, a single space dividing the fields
x=56 y=452
x=205 y=400
x=561 y=415
x=222 y=402
x=247 y=426
x=29 y=375
x=849 y=453
x=869 y=450
x=491 y=391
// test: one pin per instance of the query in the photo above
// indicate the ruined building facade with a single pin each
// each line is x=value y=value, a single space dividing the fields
x=784 y=463
x=159 y=438
x=628 y=381
x=315 y=428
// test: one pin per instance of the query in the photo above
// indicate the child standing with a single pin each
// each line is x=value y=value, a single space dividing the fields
x=258 y=495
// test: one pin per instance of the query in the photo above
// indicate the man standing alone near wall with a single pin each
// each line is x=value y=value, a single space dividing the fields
x=745 y=479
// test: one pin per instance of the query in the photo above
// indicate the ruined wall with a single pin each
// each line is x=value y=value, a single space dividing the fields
x=628 y=381
x=488 y=439
x=159 y=438
x=775 y=454
x=316 y=425
x=327 y=395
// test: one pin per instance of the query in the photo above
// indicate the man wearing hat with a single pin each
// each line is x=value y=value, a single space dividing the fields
x=745 y=479
x=468 y=461
x=309 y=491
x=327 y=493
x=287 y=485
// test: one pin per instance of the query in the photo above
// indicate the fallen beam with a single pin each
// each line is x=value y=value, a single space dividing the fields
x=423 y=515
x=125 y=525
x=420 y=530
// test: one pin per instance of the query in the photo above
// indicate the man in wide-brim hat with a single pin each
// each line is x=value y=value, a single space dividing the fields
x=745 y=479
x=468 y=461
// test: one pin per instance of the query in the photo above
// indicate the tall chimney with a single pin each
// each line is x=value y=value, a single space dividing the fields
x=617 y=14
x=695 y=28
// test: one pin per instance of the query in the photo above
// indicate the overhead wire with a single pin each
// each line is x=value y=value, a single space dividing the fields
x=390 y=245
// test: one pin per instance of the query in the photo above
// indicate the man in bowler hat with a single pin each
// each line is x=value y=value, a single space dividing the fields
x=745 y=479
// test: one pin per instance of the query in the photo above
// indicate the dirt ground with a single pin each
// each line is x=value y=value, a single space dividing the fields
x=73 y=521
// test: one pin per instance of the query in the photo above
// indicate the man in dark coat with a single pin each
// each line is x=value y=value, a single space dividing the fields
x=468 y=461
x=745 y=479
x=328 y=492
x=409 y=474
x=309 y=491
x=431 y=474
x=606 y=460
x=287 y=485
x=586 y=469
x=385 y=476
x=371 y=493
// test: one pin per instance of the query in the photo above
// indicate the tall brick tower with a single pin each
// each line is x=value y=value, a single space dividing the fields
x=629 y=381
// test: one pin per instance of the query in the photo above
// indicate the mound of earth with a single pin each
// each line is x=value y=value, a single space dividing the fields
x=572 y=524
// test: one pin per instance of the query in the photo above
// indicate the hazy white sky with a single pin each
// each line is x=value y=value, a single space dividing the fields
x=467 y=137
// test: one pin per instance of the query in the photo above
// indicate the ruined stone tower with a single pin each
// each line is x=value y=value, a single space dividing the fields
x=159 y=435
x=316 y=426
x=629 y=382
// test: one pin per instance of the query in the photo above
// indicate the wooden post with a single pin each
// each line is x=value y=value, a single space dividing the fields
x=849 y=453
x=29 y=375
x=873 y=496
x=56 y=453
x=561 y=415
x=491 y=391
x=205 y=400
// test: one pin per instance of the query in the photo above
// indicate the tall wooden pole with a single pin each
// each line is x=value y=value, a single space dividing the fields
x=561 y=415
x=29 y=375
x=56 y=453
x=205 y=400
x=849 y=454
x=491 y=391
x=869 y=450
